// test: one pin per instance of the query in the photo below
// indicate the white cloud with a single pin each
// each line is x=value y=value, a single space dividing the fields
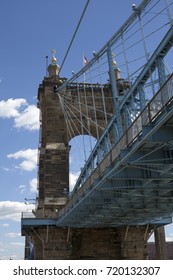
x=10 y=108
x=169 y=234
x=13 y=234
x=22 y=188
x=30 y=159
x=28 y=119
x=73 y=179
x=169 y=239
x=33 y=185
x=12 y=250
x=5 y=225
x=12 y=210
x=5 y=168
x=2 y=250
x=24 y=115
x=17 y=244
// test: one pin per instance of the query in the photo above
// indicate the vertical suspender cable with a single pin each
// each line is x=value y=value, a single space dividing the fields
x=125 y=57
x=145 y=46
x=94 y=107
x=81 y=120
x=168 y=12
x=87 y=116
x=103 y=97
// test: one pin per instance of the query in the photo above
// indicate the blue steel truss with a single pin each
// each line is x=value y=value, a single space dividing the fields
x=104 y=140
x=133 y=183
x=128 y=177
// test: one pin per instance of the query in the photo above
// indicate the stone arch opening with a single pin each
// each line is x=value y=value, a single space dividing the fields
x=80 y=149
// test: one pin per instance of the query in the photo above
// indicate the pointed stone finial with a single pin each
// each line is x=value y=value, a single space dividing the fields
x=53 y=57
x=53 y=68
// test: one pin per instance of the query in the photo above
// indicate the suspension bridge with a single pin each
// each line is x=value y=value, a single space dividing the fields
x=123 y=99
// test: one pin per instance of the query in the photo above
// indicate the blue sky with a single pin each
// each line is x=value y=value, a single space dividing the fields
x=29 y=31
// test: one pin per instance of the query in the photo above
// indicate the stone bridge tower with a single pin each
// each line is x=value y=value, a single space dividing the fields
x=51 y=242
x=54 y=149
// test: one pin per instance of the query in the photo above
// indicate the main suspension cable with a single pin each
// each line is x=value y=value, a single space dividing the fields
x=71 y=42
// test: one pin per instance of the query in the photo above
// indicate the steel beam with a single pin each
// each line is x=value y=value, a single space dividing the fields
x=161 y=51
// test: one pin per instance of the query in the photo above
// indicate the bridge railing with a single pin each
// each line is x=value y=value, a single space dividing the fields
x=28 y=215
x=151 y=111
x=148 y=116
